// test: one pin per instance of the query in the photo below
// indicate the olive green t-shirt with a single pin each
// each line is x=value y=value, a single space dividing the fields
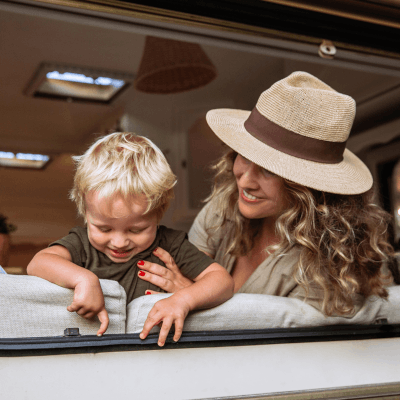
x=188 y=258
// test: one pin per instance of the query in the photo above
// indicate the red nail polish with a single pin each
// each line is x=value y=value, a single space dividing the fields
x=148 y=292
x=141 y=262
x=155 y=249
x=141 y=273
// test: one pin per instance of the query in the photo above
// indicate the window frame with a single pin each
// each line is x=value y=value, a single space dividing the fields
x=245 y=337
x=218 y=23
x=204 y=23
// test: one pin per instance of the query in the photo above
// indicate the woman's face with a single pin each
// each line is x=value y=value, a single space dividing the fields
x=261 y=193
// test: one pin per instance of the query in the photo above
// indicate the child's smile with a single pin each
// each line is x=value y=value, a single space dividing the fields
x=119 y=228
x=120 y=254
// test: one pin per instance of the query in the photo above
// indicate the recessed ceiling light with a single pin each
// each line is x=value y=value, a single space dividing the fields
x=75 y=83
x=23 y=160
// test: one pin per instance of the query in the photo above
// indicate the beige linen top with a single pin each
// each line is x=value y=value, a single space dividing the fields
x=274 y=276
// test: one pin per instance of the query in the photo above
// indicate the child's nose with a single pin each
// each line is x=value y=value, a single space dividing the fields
x=119 y=240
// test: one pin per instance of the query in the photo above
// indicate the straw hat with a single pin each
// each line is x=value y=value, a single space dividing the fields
x=298 y=130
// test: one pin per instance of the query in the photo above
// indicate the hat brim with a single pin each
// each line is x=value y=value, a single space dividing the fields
x=351 y=176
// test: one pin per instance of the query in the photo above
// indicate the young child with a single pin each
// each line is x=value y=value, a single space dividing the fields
x=122 y=187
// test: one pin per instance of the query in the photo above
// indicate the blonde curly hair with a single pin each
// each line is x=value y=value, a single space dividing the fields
x=127 y=164
x=343 y=238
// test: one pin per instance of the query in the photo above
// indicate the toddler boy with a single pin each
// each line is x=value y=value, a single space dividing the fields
x=122 y=187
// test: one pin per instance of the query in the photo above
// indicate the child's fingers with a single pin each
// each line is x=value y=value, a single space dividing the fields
x=178 y=329
x=83 y=312
x=165 y=328
x=74 y=307
x=150 y=322
x=104 y=321
x=88 y=315
x=80 y=310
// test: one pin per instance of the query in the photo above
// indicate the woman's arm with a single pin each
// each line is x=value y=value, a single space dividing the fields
x=54 y=264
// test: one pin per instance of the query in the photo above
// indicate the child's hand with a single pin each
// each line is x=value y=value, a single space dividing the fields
x=172 y=310
x=89 y=301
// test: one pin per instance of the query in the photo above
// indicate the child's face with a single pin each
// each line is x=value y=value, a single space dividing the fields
x=117 y=228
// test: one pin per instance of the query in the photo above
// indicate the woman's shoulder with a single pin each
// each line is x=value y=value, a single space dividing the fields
x=213 y=212
x=204 y=232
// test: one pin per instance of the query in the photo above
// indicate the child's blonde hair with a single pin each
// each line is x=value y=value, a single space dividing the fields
x=127 y=164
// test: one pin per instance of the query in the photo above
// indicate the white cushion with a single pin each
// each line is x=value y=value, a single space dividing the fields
x=257 y=311
x=391 y=308
x=34 y=307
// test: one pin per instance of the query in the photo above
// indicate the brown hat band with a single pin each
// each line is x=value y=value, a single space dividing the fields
x=292 y=143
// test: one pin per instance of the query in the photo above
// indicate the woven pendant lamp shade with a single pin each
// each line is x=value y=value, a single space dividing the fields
x=171 y=66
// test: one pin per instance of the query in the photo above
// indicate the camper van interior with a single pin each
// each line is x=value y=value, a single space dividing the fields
x=72 y=71
x=36 y=200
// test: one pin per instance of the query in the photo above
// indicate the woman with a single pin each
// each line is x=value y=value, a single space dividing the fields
x=291 y=213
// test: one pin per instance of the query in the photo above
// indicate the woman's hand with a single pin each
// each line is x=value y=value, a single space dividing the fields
x=169 y=279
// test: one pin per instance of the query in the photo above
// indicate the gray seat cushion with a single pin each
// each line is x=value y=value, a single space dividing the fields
x=257 y=311
x=34 y=307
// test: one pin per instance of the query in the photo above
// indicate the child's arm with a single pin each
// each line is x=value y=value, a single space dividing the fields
x=54 y=264
x=211 y=288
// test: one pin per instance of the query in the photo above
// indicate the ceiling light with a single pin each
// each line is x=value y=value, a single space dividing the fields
x=74 y=83
x=171 y=66
x=23 y=160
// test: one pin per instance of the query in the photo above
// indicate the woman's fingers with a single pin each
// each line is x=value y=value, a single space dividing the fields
x=178 y=280
x=167 y=278
x=166 y=258
x=161 y=282
x=155 y=269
